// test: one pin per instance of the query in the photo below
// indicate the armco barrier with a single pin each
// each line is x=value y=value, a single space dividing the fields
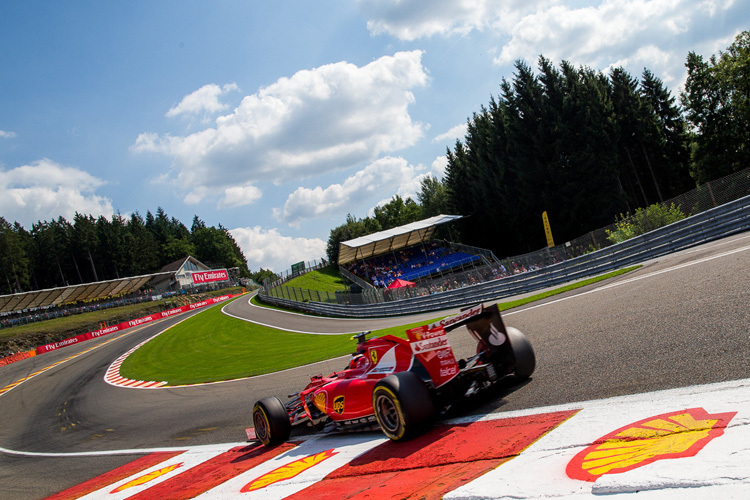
x=129 y=324
x=731 y=218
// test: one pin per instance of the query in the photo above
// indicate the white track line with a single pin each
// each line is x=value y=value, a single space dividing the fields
x=631 y=280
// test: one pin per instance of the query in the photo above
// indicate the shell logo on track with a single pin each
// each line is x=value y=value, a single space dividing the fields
x=147 y=478
x=288 y=471
x=671 y=435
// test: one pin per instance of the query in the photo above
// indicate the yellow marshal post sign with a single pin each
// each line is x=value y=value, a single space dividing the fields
x=547 y=230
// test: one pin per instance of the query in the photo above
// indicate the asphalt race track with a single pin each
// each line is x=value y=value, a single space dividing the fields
x=679 y=321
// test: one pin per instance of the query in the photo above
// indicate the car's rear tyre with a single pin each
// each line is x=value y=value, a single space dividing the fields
x=523 y=352
x=271 y=421
x=403 y=406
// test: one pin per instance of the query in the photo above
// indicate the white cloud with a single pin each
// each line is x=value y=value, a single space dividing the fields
x=46 y=190
x=412 y=19
x=457 y=132
x=237 y=196
x=321 y=120
x=203 y=100
x=590 y=34
x=439 y=164
x=656 y=34
x=7 y=135
x=268 y=249
x=385 y=175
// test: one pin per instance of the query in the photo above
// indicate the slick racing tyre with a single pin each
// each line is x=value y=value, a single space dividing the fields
x=523 y=352
x=403 y=406
x=271 y=421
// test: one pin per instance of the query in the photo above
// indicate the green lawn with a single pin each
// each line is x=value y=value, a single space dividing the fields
x=327 y=279
x=210 y=346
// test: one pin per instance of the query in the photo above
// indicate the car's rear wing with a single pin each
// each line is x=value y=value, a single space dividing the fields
x=484 y=323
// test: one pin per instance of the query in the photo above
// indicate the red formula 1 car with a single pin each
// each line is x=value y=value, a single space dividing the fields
x=401 y=385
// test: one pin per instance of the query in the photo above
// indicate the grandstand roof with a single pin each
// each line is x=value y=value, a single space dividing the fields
x=67 y=294
x=391 y=239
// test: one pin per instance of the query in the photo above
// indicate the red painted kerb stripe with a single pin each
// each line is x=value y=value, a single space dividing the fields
x=434 y=464
x=115 y=475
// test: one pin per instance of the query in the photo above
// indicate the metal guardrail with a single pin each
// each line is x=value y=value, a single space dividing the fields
x=725 y=220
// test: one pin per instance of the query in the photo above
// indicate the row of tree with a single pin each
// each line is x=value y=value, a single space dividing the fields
x=573 y=142
x=584 y=147
x=717 y=105
x=60 y=253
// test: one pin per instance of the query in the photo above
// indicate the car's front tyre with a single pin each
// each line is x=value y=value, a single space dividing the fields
x=271 y=421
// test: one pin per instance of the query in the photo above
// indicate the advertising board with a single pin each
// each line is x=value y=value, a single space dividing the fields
x=210 y=276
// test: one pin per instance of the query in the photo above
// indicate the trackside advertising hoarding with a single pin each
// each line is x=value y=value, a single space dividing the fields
x=209 y=276
x=131 y=323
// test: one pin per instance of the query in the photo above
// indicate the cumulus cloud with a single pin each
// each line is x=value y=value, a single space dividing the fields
x=7 y=135
x=203 y=100
x=411 y=19
x=457 y=132
x=637 y=33
x=656 y=34
x=329 y=118
x=237 y=196
x=586 y=33
x=45 y=190
x=385 y=175
x=268 y=249
x=439 y=164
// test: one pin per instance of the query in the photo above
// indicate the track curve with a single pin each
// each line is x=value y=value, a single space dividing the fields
x=680 y=320
x=284 y=320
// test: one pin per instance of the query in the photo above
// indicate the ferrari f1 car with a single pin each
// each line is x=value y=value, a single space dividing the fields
x=399 y=385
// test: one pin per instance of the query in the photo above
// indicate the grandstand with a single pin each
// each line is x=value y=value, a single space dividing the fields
x=406 y=253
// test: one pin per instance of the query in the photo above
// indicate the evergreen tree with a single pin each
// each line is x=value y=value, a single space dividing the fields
x=665 y=147
x=85 y=240
x=14 y=258
x=432 y=197
x=717 y=104
x=570 y=141
x=143 y=250
x=397 y=212
x=352 y=228
x=48 y=254
x=629 y=133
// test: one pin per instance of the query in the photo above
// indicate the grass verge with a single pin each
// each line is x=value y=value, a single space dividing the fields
x=210 y=346
x=326 y=279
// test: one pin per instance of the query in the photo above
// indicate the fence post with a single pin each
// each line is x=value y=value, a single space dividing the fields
x=711 y=192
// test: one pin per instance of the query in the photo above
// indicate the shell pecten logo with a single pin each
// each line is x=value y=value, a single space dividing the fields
x=288 y=471
x=320 y=400
x=147 y=477
x=678 y=434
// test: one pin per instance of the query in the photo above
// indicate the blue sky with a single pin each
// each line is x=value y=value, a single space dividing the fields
x=276 y=119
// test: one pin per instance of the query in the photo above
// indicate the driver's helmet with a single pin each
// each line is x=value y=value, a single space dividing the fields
x=358 y=361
